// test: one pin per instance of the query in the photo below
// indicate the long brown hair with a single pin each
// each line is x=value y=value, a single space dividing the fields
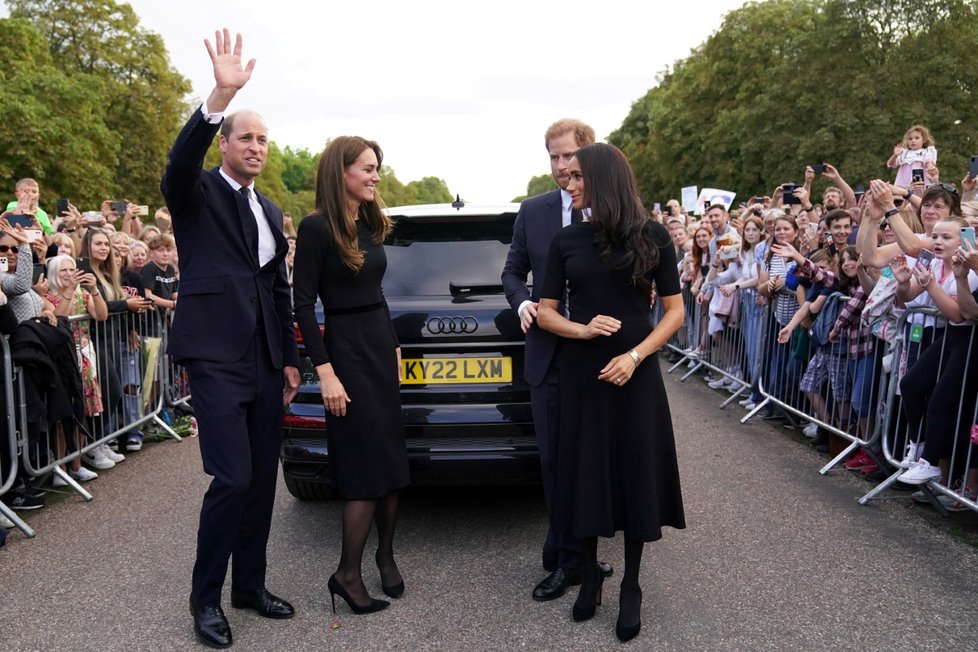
x=340 y=154
x=695 y=251
x=619 y=218
x=107 y=272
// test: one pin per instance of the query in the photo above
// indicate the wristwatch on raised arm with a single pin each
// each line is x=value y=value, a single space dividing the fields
x=885 y=220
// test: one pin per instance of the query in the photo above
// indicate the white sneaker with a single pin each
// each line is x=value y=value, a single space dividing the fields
x=111 y=454
x=911 y=456
x=920 y=472
x=5 y=522
x=82 y=474
x=58 y=481
x=96 y=459
x=745 y=401
x=749 y=406
x=811 y=430
x=719 y=383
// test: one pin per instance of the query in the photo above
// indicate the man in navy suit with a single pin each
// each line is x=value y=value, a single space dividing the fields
x=537 y=222
x=232 y=328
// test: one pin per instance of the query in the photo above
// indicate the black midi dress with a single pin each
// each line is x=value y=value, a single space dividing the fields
x=367 y=454
x=616 y=457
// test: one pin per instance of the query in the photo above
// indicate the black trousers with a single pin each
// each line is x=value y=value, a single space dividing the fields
x=560 y=548
x=940 y=389
x=238 y=407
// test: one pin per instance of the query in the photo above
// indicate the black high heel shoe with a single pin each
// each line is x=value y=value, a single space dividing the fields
x=627 y=633
x=395 y=591
x=336 y=588
x=580 y=612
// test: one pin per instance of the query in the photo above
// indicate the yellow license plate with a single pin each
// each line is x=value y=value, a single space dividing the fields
x=452 y=371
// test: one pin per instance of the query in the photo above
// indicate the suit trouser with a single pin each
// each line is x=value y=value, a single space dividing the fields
x=560 y=548
x=238 y=407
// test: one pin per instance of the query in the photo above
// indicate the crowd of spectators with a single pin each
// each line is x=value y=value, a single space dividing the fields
x=109 y=268
x=800 y=298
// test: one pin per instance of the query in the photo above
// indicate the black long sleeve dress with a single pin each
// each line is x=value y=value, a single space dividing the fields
x=367 y=456
x=616 y=458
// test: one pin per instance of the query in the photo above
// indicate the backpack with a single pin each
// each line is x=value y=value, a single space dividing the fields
x=824 y=322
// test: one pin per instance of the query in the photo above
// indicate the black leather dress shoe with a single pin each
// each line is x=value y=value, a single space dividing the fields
x=210 y=625
x=266 y=604
x=606 y=568
x=555 y=585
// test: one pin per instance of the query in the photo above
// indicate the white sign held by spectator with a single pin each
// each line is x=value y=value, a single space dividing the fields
x=710 y=196
x=689 y=198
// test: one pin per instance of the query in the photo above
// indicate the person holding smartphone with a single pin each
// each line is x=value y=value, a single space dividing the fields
x=931 y=389
x=28 y=193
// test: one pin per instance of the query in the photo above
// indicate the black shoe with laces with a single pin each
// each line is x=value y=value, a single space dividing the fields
x=23 y=502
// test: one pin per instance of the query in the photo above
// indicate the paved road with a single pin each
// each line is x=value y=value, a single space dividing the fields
x=775 y=557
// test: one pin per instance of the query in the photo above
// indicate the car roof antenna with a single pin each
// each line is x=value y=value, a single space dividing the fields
x=458 y=203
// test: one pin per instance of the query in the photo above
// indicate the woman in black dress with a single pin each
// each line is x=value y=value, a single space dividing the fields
x=340 y=259
x=616 y=460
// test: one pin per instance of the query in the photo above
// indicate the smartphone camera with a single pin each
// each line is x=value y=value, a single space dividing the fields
x=83 y=265
x=4 y=267
x=62 y=205
x=789 y=194
x=917 y=175
x=926 y=256
x=818 y=168
x=40 y=270
x=968 y=233
x=119 y=207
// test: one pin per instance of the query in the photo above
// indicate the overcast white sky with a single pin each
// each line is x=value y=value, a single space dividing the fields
x=458 y=90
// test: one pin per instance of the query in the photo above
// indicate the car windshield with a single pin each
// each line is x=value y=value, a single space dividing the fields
x=447 y=255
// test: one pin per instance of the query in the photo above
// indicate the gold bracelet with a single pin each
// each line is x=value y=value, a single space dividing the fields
x=634 y=354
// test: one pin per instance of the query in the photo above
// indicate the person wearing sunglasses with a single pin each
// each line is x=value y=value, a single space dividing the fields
x=16 y=281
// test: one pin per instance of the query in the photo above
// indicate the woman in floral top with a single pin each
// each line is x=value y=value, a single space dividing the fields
x=73 y=292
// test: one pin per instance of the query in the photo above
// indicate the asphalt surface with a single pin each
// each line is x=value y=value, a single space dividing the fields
x=775 y=557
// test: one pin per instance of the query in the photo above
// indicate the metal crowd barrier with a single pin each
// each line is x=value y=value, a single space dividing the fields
x=818 y=382
x=729 y=354
x=849 y=389
x=901 y=441
x=8 y=439
x=125 y=354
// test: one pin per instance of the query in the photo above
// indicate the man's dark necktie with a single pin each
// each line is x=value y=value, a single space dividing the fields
x=576 y=216
x=250 y=226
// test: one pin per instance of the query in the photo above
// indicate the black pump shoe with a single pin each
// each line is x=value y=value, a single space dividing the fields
x=582 y=612
x=626 y=633
x=394 y=591
x=336 y=588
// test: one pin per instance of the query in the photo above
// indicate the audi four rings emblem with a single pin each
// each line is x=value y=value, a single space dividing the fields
x=440 y=325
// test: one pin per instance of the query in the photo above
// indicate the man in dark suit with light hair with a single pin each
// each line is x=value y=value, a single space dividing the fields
x=537 y=222
x=232 y=328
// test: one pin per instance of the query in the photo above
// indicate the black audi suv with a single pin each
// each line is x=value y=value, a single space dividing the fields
x=464 y=401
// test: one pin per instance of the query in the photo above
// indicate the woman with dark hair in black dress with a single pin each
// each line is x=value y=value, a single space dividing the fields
x=616 y=461
x=339 y=258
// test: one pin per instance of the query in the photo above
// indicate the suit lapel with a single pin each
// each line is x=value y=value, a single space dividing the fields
x=245 y=222
x=555 y=215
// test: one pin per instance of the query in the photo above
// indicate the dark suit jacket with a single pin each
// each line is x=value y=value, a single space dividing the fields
x=221 y=283
x=538 y=221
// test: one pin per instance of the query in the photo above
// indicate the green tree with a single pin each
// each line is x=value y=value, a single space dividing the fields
x=538 y=185
x=300 y=169
x=430 y=190
x=53 y=123
x=786 y=83
x=141 y=99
